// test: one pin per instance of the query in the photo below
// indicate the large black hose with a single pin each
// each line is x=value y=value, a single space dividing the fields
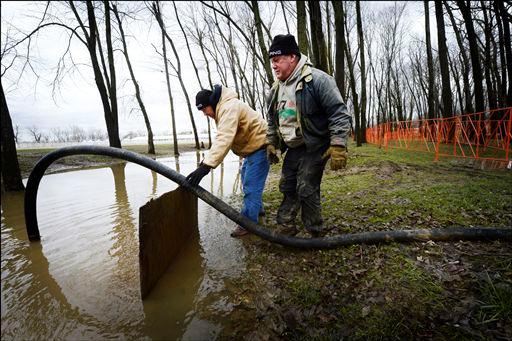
x=326 y=242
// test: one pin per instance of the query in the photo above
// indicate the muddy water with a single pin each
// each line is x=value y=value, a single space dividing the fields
x=82 y=280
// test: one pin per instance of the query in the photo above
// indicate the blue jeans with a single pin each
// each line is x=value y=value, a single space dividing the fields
x=254 y=173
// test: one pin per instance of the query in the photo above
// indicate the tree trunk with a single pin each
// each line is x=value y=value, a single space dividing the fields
x=196 y=70
x=10 y=168
x=474 y=53
x=505 y=19
x=302 y=26
x=488 y=64
x=317 y=36
x=339 y=23
x=159 y=19
x=362 y=132
x=329 y=39
x=468 y=107
x=284 y=16
x=113 y=85
x=192 y=59
x=111 y=118
x=201 y=45
x=156 y=12
x=443 y=61
x=502 y=87
x=456 y=78
x=355 y=97
x=151 y=146
x=430 y=64
x=261 y=40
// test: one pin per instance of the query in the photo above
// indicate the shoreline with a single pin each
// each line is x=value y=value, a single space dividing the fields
x=28 y=158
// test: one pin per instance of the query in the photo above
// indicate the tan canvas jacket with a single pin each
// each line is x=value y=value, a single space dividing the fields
x=239 y=128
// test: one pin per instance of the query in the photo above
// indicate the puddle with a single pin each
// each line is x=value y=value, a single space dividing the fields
x=82 y=280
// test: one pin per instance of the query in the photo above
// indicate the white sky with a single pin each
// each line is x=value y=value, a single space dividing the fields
x=79 y=102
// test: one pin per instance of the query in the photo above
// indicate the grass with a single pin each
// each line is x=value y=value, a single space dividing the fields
x=395 y=291
x=496 y=301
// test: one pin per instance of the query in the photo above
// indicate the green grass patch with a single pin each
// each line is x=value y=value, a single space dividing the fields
x=495 y=302
x=304 y=292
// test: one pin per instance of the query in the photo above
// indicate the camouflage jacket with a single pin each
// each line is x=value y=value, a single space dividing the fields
x=322 y=114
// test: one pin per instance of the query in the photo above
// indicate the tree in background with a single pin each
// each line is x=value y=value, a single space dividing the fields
x=151 y=146
x=317 y=36
x=10 y=169
x=178 y=71
x=443 y=61
x=155 y=6
x=430 y=64
x=302 y=27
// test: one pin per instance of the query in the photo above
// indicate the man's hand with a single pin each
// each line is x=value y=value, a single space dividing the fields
x=272 y=154
x=195 y=177
x=338 y=155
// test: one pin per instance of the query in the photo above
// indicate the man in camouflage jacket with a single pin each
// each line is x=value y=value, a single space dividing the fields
x=308 y=120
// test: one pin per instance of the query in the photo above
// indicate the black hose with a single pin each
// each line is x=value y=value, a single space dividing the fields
x=324 y=243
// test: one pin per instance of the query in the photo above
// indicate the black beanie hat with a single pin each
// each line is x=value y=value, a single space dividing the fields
x=203 y=99
x=283 y=44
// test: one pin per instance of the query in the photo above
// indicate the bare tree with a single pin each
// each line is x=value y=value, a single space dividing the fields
x=339 y=20
x=317 y=36
x=199 y=36
x=157 y=13
x=178 y=71
x=302 y=27
x=285 y=17
x=16 y=133
x=353 y=87
x=264 y=52
x=104 y=75
x=192 y=60
x=36 y=133
x=261 y=54
x=329 y=38
x=443 y=61
x=151 y=146
x=430 y=63
x=465 y=71
x=362 y=127
x=10 y=169
x=106 y=81
x=78 y=134
x=465 y=9
x=507 y=45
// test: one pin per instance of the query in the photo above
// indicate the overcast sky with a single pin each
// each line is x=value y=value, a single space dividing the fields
x=78 y=102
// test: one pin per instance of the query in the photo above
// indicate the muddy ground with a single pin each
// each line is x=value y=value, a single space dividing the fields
x=423 y=290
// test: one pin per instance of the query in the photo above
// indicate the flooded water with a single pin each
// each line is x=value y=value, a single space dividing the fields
x=82 y=280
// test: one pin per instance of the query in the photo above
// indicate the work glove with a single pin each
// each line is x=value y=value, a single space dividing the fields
x=272 y=154
x=338 y=155
x=195 y=177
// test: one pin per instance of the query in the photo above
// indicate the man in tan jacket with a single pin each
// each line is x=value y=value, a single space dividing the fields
x=244 y=131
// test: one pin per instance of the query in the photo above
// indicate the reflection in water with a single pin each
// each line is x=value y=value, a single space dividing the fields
x=169 y=308
x=154 y=176
x=38 y=285
x=35 y=297
x=82 y=280
x=221 y=181
x=124 y=250
x=177 y=163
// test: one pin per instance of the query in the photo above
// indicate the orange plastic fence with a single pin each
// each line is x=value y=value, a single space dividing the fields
x=485 y=135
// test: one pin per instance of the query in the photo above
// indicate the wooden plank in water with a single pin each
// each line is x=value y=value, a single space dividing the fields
x=165 y=226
